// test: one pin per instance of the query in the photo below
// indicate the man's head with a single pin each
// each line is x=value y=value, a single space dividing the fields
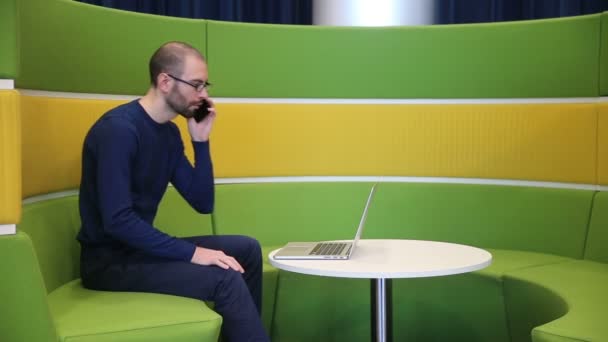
x=179 y=72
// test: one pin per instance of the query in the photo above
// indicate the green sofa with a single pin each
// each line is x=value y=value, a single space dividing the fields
x=546 y=283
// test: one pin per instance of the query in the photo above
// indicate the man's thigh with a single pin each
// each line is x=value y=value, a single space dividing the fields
x=239 y=246
x=141 y=273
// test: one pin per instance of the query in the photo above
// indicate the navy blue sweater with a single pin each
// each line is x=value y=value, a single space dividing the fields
x=128 y=160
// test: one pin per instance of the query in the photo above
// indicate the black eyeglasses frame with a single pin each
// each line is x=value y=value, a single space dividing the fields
x=198 y=87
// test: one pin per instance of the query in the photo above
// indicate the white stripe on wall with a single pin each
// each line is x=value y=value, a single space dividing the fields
x=8 y=229
x=365 y=179
x=91 y=96
x=6 y=84
x=392 y=179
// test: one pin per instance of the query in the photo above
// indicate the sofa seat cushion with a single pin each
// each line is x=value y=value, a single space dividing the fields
x=86 y=315
x=468 y=307
x=559 y=302
x=504 y=261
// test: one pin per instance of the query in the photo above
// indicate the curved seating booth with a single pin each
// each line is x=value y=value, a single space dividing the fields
x=489 y=135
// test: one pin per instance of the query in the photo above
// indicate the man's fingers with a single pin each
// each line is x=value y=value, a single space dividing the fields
x=222 y=264
x=230 y=261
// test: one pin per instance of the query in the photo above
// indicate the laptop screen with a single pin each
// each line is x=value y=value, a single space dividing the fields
x=364 y=217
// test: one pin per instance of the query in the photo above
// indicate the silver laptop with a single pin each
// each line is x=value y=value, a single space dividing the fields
x=326 y=250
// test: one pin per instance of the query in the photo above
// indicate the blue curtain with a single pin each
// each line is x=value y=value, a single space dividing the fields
x=252 y=11
x=479 y=11
x=300 y=11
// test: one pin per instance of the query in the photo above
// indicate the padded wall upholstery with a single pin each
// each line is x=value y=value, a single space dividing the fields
x=57 y=152
x=597 y=240
x=24 y=310
x=10 y=157
x=8 y=39
x=545 y=142
x=71 y=46
x=65 y=123
x=516 y=59
x=548 y=142
x=450 y=212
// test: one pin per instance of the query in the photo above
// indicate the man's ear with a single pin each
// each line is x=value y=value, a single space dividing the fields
x=163 y=82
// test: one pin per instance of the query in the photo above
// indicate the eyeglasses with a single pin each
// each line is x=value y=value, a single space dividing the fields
x=197 y=86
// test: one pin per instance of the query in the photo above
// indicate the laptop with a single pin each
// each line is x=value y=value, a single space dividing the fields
x=325 y=250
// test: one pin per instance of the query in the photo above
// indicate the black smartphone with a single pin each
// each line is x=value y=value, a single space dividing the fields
x=202 y=111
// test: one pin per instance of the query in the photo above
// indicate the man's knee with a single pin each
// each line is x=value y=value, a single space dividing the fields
x=250 y=248
x=231 y=284
x=254 y=246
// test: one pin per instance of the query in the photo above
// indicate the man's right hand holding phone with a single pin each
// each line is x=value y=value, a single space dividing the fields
x=201 y=123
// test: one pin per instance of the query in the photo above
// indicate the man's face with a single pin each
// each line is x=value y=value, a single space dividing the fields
x=184 y=98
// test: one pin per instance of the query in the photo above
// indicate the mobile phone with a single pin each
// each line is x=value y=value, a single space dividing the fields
x=202 y=111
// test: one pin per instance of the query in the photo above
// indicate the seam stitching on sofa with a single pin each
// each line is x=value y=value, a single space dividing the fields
x=586 y=238
x=560 y=335
x=510 y=273
x=274 y=303
x=137 y=329
x=213 y=223
x=507 y=315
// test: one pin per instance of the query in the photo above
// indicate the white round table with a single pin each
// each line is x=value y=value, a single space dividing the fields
x=383 y=260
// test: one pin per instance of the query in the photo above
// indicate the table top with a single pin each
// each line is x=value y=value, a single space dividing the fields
x=394 y=259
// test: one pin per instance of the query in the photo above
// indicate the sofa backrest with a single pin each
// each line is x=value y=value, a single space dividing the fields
x=275 y=213
x=597 y=240
x=52 y=225
x=506 y=217
x=544 y=220
x=176 y=217
x=24 y=311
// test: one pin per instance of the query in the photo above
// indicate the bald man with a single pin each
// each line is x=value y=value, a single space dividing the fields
x=129 y=156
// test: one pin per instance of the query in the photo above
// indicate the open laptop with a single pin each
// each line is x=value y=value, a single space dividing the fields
x=325 y=250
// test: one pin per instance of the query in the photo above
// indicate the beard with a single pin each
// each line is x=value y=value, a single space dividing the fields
x=178 y=103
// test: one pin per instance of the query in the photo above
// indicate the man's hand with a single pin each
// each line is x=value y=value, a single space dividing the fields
x=205 y=256
x=200 y=131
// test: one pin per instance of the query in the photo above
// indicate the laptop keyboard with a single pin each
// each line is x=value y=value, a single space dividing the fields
x=329 y=248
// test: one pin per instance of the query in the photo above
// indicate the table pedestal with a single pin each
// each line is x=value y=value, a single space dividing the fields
x=384 y=260
x=382 y=310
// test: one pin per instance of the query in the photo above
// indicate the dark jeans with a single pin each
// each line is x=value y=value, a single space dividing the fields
x=237 y=297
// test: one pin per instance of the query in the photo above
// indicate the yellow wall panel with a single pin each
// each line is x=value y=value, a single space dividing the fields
x=10 y=158
x=545 y=142
x=602 y=144
x=53 y=133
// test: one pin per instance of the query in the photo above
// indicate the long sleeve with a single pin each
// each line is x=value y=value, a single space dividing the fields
x=195 y=184
x=115 y=147
x=128 y=160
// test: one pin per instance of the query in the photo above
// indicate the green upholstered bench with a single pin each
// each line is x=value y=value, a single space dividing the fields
x=61 y=309
x=564 y=301
x=546 y=282
x=525 y=228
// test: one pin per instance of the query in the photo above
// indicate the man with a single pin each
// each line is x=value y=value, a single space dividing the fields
x=129 y=156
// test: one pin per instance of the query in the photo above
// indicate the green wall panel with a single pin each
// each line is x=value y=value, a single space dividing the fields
x=542 y=58
x=604 y=56
x=71 y=46
x=8 y=39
